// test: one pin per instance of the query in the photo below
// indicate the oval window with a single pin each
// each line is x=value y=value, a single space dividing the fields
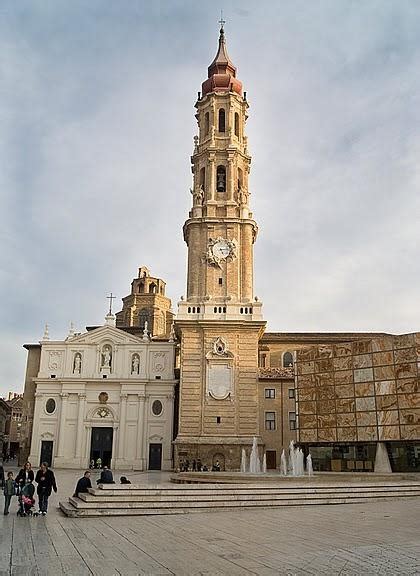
x=50 y=405
x=157 y=407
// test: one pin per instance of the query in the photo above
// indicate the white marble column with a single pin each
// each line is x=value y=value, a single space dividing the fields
x=145 y=427
x=121 y=435
x=140 y=456
x=61 y=436
x=80 y=426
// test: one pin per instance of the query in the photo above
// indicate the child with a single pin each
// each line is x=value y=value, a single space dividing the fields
x=9 y=491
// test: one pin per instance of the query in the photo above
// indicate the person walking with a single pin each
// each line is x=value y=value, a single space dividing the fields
x=26 y=475
x=46 y=483
x=9 y=491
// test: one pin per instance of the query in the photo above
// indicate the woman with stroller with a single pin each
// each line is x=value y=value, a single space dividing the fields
x=46 y=483
x=26 y=475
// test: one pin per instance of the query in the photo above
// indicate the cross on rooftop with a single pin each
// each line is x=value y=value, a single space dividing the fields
x=110 y=298
x=221 y=21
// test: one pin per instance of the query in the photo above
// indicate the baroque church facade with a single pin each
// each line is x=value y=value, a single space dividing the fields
x=150 y=389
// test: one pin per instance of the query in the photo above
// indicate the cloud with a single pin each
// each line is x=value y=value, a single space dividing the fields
x=96 y=126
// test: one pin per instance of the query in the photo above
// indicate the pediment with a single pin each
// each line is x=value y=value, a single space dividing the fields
x=98 y=335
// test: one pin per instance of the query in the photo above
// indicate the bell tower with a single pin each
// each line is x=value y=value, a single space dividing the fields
x=220 y=319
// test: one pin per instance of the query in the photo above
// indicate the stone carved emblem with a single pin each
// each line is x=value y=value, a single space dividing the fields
x=220 y=347
x=159 y=361
x=55 y=359
x=103 y=412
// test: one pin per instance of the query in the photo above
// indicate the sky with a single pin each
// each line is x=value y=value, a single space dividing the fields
x=96 y=132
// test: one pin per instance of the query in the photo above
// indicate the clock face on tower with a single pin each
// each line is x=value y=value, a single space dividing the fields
x=219 y=250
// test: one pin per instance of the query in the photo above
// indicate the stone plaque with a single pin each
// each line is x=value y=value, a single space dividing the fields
x=219 y=380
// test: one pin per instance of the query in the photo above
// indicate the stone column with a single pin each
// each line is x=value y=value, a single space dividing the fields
x=211 y=179
x=140 y=456
x=114 y=446
x=35 y=444
x=230 y=180
x=61 y=437
x=145 y=428
x=121 y=436
x=80 y=427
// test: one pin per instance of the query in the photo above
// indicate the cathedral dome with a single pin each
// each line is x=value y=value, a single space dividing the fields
x=221 y=72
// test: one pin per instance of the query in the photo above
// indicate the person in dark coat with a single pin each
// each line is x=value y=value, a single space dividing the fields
x=46 y=483
x=26 y=474
x=83 y=484
x=106 y=477
x=1 y=475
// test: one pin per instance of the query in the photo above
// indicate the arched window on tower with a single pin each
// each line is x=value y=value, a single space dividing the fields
x=206 y=124
x=240 y=179
x=152 y=288
x=287 y=360
x=222 y=120
x=203 y=178
x=143 y=317
x=236 y=124
x=221 y=178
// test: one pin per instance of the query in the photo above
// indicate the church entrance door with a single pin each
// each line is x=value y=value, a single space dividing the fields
x=101 y=445
x=155 y=456
x=46 y=452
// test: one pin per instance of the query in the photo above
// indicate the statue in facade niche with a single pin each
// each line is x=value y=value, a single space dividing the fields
x=135 y=364
x=106 y=357
x=77 y=365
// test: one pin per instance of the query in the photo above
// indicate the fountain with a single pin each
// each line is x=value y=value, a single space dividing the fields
x=309 y=469
x=254 y=461
x=283 y=464
x=243 y=461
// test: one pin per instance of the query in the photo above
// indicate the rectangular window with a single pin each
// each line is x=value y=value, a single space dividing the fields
x=270 y=393
x=270 y=420
x=218 y=419
x=291 y=392
x=292 y=420
x=220 y=281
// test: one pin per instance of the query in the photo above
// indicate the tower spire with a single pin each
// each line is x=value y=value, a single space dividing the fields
x=222 y=71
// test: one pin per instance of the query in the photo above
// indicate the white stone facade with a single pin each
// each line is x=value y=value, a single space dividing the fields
x=105 y=378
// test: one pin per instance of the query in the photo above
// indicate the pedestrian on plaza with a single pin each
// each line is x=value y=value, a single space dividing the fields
x=46 y=483
x=9 y=491
x=99 y=463
x=106 y=477
x=83 y=484
x=26 y=475
x=194 y=465
x=124 y=480
x=92 y=464
x=1 y=475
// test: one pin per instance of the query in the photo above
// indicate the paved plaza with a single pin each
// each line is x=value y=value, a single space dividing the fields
x=376 y=538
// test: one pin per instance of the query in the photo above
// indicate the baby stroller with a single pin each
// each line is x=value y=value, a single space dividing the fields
x=26 y=500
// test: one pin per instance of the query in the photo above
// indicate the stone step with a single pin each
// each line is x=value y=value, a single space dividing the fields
x=77 y=511
x=202 y=495
x=239 y=499
x=183 y=489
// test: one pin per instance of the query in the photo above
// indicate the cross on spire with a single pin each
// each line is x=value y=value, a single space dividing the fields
x=221 y=21
x=110 y=298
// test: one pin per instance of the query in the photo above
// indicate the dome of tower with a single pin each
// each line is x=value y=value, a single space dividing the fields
x=221 y=72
